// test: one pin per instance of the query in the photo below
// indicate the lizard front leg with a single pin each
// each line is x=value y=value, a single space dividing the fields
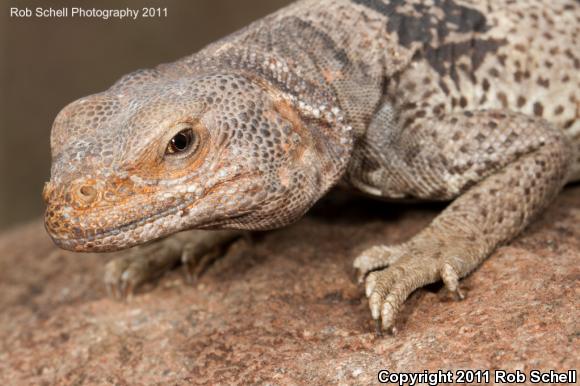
x=194 y=249
x=505 y=169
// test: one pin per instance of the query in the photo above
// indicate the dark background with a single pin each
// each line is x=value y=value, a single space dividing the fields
x=47 y=63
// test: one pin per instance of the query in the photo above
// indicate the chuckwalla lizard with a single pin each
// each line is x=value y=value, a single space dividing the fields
x=462 y=100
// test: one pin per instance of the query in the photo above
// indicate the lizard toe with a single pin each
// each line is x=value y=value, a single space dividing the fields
x=113 y=273
x=450 y=277
x=125 y=274
x=198 y=255
x=195 y=263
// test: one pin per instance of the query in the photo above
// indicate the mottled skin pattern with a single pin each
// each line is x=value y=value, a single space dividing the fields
x=470 y=101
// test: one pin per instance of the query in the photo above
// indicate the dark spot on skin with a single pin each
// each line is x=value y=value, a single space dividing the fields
x=558 y=110
x=521 y=101
x=408 y=106
x=463 y=102
x=438 y=110
x=444 y=87
x=427 y=94
x=569 y=54
x=485 y=84
x=543 y=82
x=502 y=58
x=411 y=86
x=494 y=72
x=472 y=77
x=420 y=114
x=538 y=109
x=492 y=124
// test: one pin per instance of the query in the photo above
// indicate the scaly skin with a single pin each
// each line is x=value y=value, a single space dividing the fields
x=464 y=101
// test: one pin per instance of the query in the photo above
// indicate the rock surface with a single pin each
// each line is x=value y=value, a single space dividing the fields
x=287 y=311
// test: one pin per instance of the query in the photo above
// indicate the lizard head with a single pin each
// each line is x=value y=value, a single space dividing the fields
x=155 y=155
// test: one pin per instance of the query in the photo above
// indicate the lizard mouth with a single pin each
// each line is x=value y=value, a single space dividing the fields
x=104 y=241
x=118 y=237
x=143 y=229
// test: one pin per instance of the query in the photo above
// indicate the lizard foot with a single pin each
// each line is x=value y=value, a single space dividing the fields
x=197 y=255
x=494 y=198
x=408 y=267
x=144 y=263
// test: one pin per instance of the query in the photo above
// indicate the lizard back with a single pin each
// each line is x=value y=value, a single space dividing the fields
x=422 y=59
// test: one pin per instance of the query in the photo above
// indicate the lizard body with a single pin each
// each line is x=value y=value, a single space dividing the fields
x=475 y=102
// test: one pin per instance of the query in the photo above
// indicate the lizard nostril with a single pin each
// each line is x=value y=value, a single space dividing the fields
x=87 y=193
x=83 y=192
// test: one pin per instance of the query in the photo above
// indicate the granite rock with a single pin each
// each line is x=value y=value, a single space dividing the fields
x=287 y=310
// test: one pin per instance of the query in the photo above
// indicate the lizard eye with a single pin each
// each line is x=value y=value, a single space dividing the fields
x=182 y=142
